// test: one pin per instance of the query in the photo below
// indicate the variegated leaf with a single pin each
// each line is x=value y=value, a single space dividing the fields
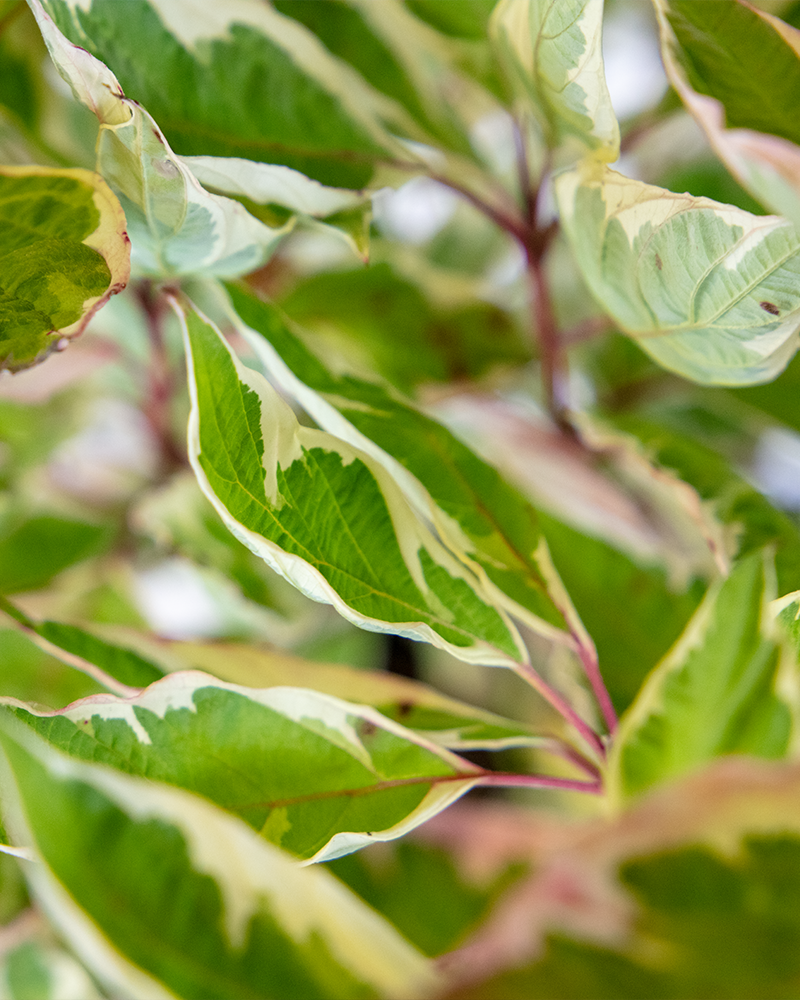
x=481 y=518
x=728 y=685
x=552 y=53
x=186 y=900
x=315 y=775
x=171 y=55
x=175 y=226
x=328 y=517
x=732 y=65
x=63 y=253
x=447 y=722
x=708 y=290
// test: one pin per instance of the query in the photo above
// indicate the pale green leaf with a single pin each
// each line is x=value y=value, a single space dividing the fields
x=552 y=52
x=707 y=290
x=185 y=900
x=210 y=72
x=63 y=253
x=725 y=687
x=342 y=211
x=328 y=517
x=314 y=774
x=37 y=970
x=734 y=67
x=175 y=226
x=482 y=518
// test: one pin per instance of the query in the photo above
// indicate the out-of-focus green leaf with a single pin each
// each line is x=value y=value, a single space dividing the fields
x=631 y=611
x=692 y=894
x=207 y=74
x=355 y=309
x=30 y=674
x=327 y=516
x=419 y=888
x=465 y=19
x=399 y=56
x=63 y=253
x=33 y=552
x=751 y=519
x=444 y=721
x=39 y=971
x=124 y=665
x=185 y=900
x=720 y=690
x=727 y=313
x=315 y=775
x=552 y=53
x=736 y=68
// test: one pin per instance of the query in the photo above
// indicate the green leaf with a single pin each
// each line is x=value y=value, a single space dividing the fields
x=40 y=971
x=419 y=887
x=185 y=900
x=465 y=19
x=727 y=313
x=327 y=516
x=354 y=309
x=317 y=776
x=34 y=551
x=552 y=53
x=478 y=514
x=736 y=68
x=633 y=612
x=63 y=252
x=175 y=226
x=207 y=74
x=694 y=895
x=722 y=689
x=447 y=722
x=752 y=521
x=402 y=57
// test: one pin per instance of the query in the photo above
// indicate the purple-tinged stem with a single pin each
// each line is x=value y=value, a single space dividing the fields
x=497 y=779
x=564 y=709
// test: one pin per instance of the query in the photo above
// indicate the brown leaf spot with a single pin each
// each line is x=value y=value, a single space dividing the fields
x=659 y=262
x=770 y=307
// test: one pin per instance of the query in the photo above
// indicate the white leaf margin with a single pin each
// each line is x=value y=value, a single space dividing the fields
x=324 y=714
x=283 y=443
x=247 y=869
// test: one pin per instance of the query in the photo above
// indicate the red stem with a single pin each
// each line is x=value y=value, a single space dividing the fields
x=498 y=779
x=564 y=709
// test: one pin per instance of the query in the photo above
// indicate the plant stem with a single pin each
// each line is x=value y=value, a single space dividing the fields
x=498 y=779
x=564 y=709
x=160 y=379
x=591 y=668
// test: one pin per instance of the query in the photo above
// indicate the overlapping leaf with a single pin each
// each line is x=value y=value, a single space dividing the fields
x=692 y=893
x=709 y=291
x=736 y=69
x=479 y=515
x=34 y=549
x=63 y=253
x=315 y=775
x=175 y=226
x=726 y=687
x=552 y=53
x=210 y=73
x=447 y=722
x=327 y=516
x=185 y=899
